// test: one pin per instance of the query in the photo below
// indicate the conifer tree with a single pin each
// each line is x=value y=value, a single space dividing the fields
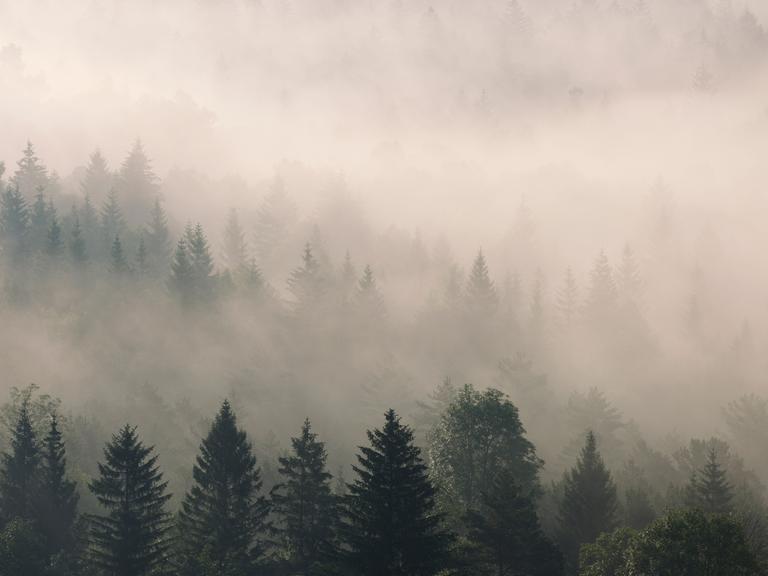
x=589 y=505
x=14 y=224
x=112 y=221
x=506 y=529
x=19 y=481
x=709 y=489
x=138 y=184
x=392 y=526
x=39 y=223
x=131 y=537
x=568 y=301
x=89 y=221
x=182 y=280
x=158 y=239
x=97 y=181
x=59 y=497
x=118 y=263
x=481 y=294
x=370 y=303
x=54 y=244
x=223 y=516
x=305 y=505
x=601 y=300
x=31 y=175
x=201 y=261
x=235 y=247
x=347 y=279
x=77 y=244
x=306 y=283
x=142 y=261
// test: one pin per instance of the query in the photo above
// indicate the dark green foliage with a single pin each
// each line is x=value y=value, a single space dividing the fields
x=589 y=505
x=223 y=516
x=19 y=480
x=201 y=262
x=14 y=225
x=507 y=532
x=54 y=245
x=709 y=489
x=131 y=537
x=479 y=434
x=182 y=280
x=22 y=552
x=638 y=509
x=38 y=223
x=305 y=505
x=392 y=527
x=692 y=543
x=57 y=510
x=609 y=555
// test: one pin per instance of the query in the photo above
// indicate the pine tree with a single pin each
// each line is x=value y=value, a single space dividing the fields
x=506 y=528
x=131 y=537
x=19 y=480
x=709 y=489
x=158 y=239
x=235 y=247
x=305 y=505
x=368 y=299
x=118 y=263
x=182 y=280
x=481 y=294
x=589 y=505
x=98 y=180
x=31 y=175
x=568 y=301
x=223 y=515
x=77 y=244
x=138 y=185
x=201 y=260
x=392 y=526
x=54 y=245
x=112 y=221
x=59 y=497
x=14 y=224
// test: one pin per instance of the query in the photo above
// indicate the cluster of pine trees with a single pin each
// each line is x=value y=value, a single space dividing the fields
x=470 y=504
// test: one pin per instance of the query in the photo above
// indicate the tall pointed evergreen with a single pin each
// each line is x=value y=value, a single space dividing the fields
x=223 y=516
x=158 y=239
x=138 y=185
x=77 y=244
x=182 y=280
x=39 y=221
x=481 y=294
x=602 y=297
x=368 y=299
x=19 y=479
x=306 y=283
x=54 y=245
x=709 y=489
x=31 y=174
x=589 y=505
x=98 y=180
x=201 y=261
x=112 y=220
x=118 y=262
x=305 y=505
x=392 y=526
x=59 y=497
x=131 y=536
x=568 y=301
x=14 y=224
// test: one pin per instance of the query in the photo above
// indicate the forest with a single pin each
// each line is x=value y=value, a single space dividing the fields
x=383 y=288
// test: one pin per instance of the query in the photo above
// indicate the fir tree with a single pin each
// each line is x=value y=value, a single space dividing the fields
x=31 y=175
x=306 y=283
x=19 y=480
x=59 y=497
x=392 y=526
x=223 y=515
x=39 y=223
x=305 y=505
x=118 y=263
x=138 y=184
x=481 y=294
x=112 y=221
x=54 y=244
x=235 y=247
x=14 y=224
x=506 y=529
x=131 y=537
x=589 y=505
x=77 y=244
x=97 y=181
x=709 y=489
x=158 y=239
x=201 y=261
x=182 y=280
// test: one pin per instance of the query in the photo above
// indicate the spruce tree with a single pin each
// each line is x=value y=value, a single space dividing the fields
x=142 y=261
x=201 y=262
x=392 y=526
x=77 y=244
x=138 y=185
x=59 y=497
x=118 y=262
x=305 y=505
x=14 y=224
x=91 y=228
x=223 y=516
x=709 y=489
x=54 y=244
x=602 y=297
x=182 y=280
x=31 y=175
x=306 y=283
x=112 y=221
x=507 y=531
x=131 y=537
x=370 y=304
x=158 y=239
x=481 y=295
x=589 y=505
x=568 y=301
x=19 y=479
x=98 y=180
x=39 y=221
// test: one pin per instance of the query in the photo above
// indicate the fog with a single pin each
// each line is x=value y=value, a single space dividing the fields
x=410 y=136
